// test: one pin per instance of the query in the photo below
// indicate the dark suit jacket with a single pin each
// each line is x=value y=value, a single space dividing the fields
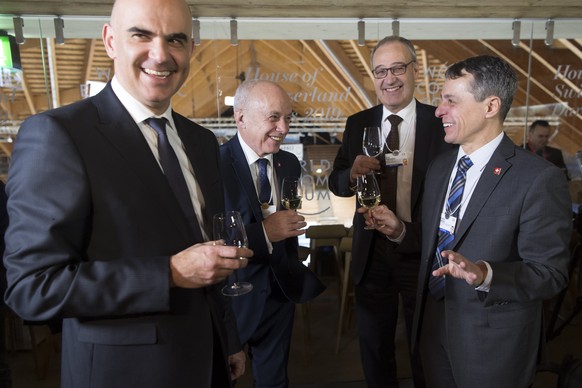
x=552 y=155
x=297 y=282
x=429 y=143
x=519 y=220
x=93 y=223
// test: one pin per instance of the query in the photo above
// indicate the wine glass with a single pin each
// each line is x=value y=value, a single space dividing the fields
x=372 y=142
x=229 y=228
x=291 y=193
x=368 y=194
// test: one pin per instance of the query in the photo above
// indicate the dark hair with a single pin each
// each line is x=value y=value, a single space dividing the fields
x=492 y=76
x=394 y=39
x=539 y=123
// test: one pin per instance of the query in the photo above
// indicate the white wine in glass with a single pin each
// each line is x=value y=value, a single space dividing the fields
x=368 y=193
x=229 y=228
x=291 y=193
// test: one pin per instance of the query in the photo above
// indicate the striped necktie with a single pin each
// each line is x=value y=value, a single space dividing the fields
x=436 y=285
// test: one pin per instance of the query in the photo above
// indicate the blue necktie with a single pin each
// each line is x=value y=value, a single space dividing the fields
x=174 y=175
x=264 y=185
x=436 y=285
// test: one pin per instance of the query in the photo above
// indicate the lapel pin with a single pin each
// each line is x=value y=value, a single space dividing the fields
x=497 y=170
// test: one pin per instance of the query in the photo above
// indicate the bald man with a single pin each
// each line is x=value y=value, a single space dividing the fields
x=106 y=235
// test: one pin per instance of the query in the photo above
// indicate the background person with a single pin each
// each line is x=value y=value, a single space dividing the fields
x=262 y=112
x=384 y=270
x=538 y=137
x=495 y=237
x=97 y=235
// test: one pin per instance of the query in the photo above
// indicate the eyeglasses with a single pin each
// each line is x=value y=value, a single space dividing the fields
x=395 y=70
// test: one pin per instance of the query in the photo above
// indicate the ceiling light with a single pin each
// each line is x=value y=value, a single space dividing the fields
x=516 y=27
x=196 y=32
x=59 y=35
x=361 y=33
x=233 y=32
x=396 y=27
x=18 y=33
x=549 y=32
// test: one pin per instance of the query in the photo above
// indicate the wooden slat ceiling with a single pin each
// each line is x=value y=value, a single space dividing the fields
x=339 y=66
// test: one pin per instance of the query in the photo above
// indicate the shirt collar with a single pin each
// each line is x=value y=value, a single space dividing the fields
x=407 y=113
x=136 y=109
x=481 y=157
x=250 y=154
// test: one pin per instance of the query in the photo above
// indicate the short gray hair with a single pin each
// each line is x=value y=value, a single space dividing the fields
x=394 y=39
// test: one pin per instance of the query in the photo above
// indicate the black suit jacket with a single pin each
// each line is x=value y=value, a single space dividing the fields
x=297 y=281
x=429 y=143
x=93 y=223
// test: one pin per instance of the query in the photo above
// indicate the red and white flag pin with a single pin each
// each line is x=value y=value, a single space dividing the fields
x=497 y=170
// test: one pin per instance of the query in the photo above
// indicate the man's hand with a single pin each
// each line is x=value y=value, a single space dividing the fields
x=207 y=263
x=363 y=165
x=385 y=220
x=461 y=268
x=237 y=364
x=284 y=224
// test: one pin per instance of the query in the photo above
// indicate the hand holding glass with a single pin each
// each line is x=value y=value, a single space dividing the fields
x=368 y=193
x=229 y=228
x=291 y=193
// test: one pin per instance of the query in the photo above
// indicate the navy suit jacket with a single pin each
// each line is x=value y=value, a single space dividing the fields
x=429 y=143
x=296 y=281
x=93 y=222
x=519 y=220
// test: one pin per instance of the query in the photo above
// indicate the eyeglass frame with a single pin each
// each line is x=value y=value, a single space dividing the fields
x=392 y=69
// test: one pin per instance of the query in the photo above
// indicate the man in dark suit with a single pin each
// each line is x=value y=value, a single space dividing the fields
x=538 y=137
x=98 y=234
x=5 y=374
x=384 y=270
x=262 y=112
x=495 y=237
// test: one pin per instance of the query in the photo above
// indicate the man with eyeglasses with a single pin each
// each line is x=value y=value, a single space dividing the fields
x=386 y=260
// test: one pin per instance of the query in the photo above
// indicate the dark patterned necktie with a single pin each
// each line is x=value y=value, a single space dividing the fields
x=436 y=285
x=264 y=185
x=389 y=178
x=174 y=175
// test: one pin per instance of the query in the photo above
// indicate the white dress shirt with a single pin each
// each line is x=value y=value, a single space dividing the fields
x=139 y=113
x=407 y=135
x=480 y=158
x=252 y=157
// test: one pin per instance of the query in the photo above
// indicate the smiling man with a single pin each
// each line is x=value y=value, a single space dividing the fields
x=385 y=270
x=495 y=231
x=108 y=200
x=253 y=169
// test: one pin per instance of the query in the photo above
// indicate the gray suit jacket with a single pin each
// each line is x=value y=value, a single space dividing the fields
x=93 y=222
x=519 y=220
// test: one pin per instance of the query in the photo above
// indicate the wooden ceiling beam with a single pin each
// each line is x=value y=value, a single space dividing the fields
x=344 y=65
x=88 y=60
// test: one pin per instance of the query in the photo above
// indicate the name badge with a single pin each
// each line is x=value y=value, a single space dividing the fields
x=448 y=223
x=396 y=159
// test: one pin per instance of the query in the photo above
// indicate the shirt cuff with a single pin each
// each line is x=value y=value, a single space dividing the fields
x=399 y=239
x=269 y=244
x=486 y=285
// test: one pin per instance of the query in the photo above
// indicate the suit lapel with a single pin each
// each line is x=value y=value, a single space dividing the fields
x=244 y=176
x=424 y=138
x=117 y=125
x=493 y=173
